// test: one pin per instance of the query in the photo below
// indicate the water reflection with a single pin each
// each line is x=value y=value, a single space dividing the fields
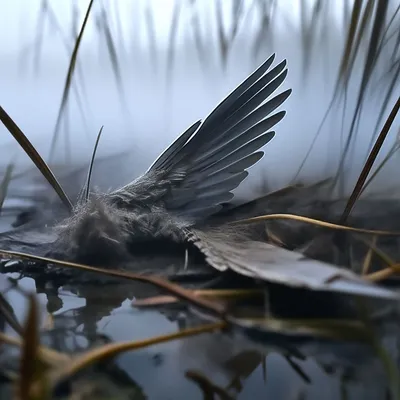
x=92 y=314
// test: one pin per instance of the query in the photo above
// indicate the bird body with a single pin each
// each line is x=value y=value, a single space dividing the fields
x=189 y=181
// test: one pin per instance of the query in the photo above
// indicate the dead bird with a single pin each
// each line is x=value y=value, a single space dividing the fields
x=171 y=207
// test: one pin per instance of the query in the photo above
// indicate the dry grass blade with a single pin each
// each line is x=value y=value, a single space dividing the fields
x=237 y=13
x=308 y=31
x=171 y=41
x=74 y=22
x=392 y=371
x=370 y=63
x=368 y=257
x=39 y=35
x=8 y=313
x=370 y=162
x=345 y=66
x=91 y=164
x=111 y=350
x=151 y=33
x=49 y=356
x=5 y=183
x=34 y=156
x=68 y=80
x=265 y=31
x=392 y=87
x=119 y=25
x=393 y=68
x=155 y=301
x=362 y=33
x=388 y=156
x=104 y=26
x=397 y=45
x=314 y=222
x=57 y=28
x=201 y=48
x=384 y=273
x=389 y=35
x=31 y=383
x=222 y=40
x=211 y=306
x=382 y=255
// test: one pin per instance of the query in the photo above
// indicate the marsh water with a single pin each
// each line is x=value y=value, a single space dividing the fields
x=82 y=314
x=141 y=116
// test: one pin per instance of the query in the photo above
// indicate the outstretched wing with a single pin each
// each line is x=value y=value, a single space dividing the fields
x=197 y=173
x=263 y=261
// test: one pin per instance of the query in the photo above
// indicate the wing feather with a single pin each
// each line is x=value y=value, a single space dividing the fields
x=266 y=262
x=210 y=159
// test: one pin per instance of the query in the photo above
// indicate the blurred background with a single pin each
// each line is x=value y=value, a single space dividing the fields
x=146 y=69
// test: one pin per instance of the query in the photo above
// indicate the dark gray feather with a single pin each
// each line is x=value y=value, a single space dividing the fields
x=224 y=107
x=226 y=166
x=175 y=147
x=227 y=155
x=209 y=160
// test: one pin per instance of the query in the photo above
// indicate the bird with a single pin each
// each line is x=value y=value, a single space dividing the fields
x=176 y=203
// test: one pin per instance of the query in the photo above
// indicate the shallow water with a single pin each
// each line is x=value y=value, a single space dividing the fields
x=82 y=311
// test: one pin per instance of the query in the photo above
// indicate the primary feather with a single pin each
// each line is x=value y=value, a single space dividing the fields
x=198 y=172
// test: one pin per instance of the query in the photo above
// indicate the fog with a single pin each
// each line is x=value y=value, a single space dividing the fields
x=150 y=105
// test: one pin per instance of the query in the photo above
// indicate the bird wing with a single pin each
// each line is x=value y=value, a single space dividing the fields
x=260 y=260
x=197 y=173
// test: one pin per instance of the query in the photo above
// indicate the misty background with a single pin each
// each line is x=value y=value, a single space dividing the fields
x=147 y=69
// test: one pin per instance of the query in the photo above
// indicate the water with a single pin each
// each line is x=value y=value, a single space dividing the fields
x=160 y=370
x=156 y=111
